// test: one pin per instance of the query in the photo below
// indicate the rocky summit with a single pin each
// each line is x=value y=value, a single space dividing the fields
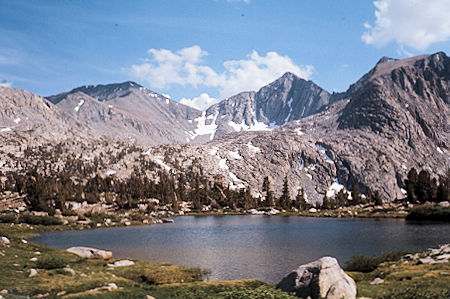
x=393 y=119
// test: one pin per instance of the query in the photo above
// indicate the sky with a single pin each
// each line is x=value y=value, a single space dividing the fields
x=201 y=51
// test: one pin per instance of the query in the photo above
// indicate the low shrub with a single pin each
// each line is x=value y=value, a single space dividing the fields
x=365 y=264
x=264 y=293
x=51 y=262
x=361 y=263
x=39 y=220
x=8 y=218
x=429 y=213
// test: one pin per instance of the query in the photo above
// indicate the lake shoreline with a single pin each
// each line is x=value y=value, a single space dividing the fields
x=19 y=232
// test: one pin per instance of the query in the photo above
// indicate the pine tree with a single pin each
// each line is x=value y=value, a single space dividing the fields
x=423 y=186
x=269 y=194
x=326 y=205
x=410 y=185
x=300 y=199
x=356 y=195
x=285 y=199
x=377 y=198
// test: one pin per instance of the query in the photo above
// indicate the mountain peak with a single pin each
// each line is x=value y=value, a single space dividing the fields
x=105 y=92
x=385 y=59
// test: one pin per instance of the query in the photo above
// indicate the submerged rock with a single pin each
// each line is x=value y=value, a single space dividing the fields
x=91 y=253
x=323 y=278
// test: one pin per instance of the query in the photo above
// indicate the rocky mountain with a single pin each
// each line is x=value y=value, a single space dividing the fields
x=129 y=110
x=286 y=99
x=392 y=119
x=28 y=118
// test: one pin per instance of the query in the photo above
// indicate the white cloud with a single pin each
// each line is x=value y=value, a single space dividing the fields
x=5 y=83
x=202 y=102
x=413 y=23
x=185 y=67
x=245 y=1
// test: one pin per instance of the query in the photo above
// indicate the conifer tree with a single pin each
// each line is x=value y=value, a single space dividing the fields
x=269 y=193
x=356 y=195
x=300 y=199
x=285 y=199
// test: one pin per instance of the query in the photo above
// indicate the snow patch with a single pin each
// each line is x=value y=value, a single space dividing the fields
x=213 y=151
x=334 y=189
x=77 y=108
x=167 y=101
x=299 y=132
x=162 y=164
x=110 y=172
x=235 y=155
x=203 y=128
x=17 y=120
x=253 y=148
x=1 y=164
x=234 y=177
x=148 y=152
x=8 y=129
x=324 y=152
x=223 y=164
x=403 y=191
x=310 y=176
x=404 y=167
x=439 y=150
x=290 y=111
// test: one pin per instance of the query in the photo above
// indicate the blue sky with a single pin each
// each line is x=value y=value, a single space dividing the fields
x=212 y=48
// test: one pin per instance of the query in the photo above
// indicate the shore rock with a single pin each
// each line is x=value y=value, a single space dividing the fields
x=4 y=240
x=121 y=263
x=323 y=278
x=376 y=281
x=90 y=253
x=33 y=272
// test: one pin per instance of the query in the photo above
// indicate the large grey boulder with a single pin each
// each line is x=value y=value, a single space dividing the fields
x=92 y=253
x=323 y=278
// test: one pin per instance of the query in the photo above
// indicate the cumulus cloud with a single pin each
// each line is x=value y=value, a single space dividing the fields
x=5 y=83
x=413 y=23
x=202 y=102
x=186 y=68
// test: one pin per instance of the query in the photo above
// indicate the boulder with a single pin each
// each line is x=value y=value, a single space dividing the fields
x=69 y=270
x=323 y=278
x=376 y=281
x=90 y=253
x=4 y=240
x=32 y=273
x=121 y=263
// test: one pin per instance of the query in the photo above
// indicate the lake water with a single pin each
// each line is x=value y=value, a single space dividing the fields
x=262 y=247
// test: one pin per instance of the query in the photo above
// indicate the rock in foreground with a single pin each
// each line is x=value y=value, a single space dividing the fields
x=323 y=278
x=90 y=253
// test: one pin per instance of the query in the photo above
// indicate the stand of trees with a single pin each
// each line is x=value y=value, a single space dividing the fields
x=421 y=188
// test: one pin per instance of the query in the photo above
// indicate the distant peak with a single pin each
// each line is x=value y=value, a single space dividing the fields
x=289 y=75
x=385 y=59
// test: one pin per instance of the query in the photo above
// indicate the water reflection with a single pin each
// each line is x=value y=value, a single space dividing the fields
x=261 y=247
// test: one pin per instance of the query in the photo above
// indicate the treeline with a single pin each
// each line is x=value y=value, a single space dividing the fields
x=421 y=187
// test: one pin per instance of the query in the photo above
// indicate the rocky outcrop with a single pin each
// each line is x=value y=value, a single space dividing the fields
x=90 y=253
x=440 y=255
x=323 y=278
